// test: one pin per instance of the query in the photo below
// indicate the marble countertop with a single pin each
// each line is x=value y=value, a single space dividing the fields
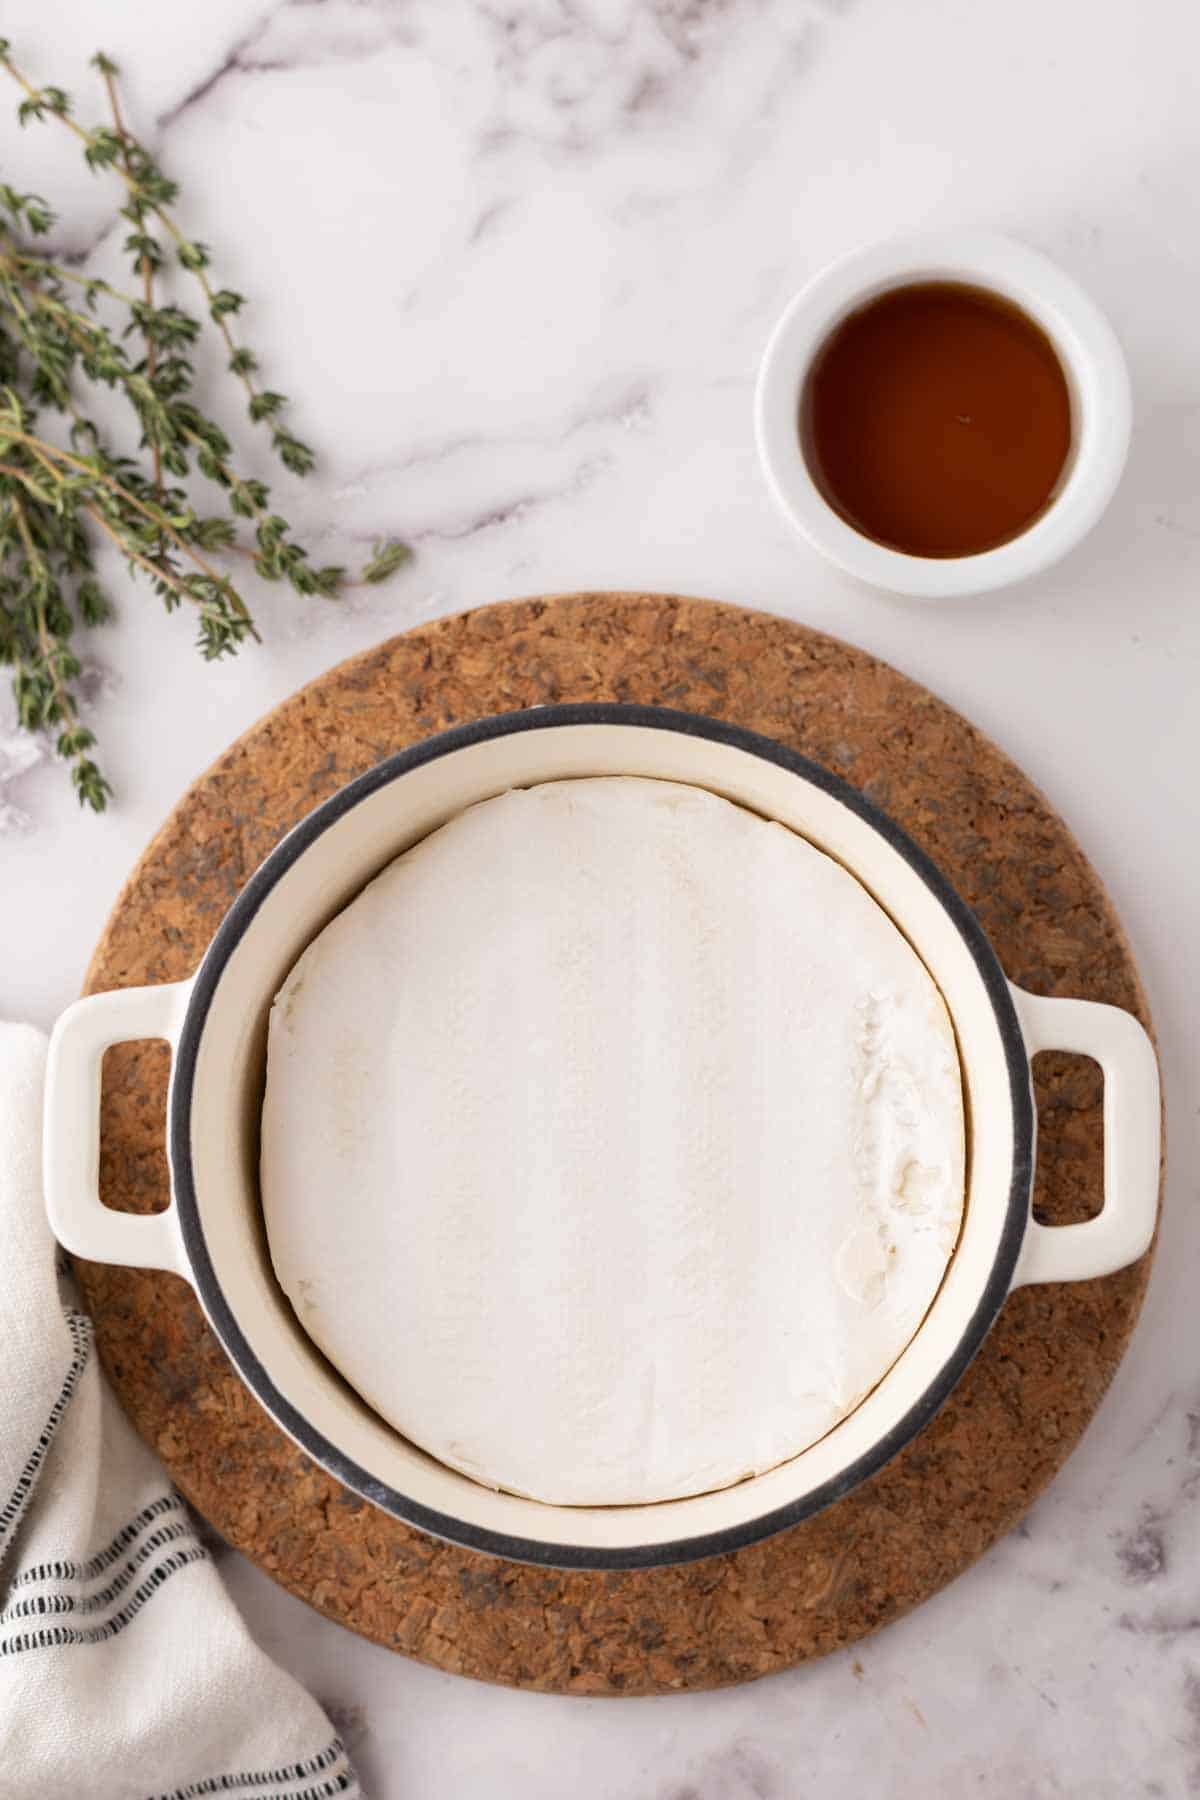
x=515 y=261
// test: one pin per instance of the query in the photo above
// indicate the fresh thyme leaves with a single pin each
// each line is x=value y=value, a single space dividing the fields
x=386 y=560
x=62 y=486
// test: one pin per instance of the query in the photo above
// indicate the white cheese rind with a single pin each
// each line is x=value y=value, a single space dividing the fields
x=612 y=1142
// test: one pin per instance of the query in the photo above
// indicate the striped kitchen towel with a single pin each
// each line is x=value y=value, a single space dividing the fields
x=125 y=1671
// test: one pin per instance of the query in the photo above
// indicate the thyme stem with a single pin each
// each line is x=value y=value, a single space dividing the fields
x=57 y=345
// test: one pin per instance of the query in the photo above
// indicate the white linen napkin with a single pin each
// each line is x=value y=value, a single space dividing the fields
x=125 y=1671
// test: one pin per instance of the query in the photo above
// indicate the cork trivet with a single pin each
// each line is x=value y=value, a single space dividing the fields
x=1008 y=1426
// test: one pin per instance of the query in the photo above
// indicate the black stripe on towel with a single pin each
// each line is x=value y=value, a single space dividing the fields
x=46 y=1605
x=340 y=1781
x=48 y=1637
x=80 y=1327
x=62 y=1570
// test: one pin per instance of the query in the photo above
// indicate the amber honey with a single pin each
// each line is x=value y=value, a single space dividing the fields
x=936 y=419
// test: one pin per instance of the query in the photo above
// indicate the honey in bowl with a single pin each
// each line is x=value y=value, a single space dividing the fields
x=936 y=419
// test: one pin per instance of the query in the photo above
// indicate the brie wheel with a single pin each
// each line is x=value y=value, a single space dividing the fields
x=612 y=1143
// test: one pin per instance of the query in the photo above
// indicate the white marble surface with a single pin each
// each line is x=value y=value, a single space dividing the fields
x=515 y=260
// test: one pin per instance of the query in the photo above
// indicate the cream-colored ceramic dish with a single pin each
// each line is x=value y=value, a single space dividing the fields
x=213 y=1234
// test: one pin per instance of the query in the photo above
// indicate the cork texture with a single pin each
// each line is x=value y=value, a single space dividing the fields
x=1020 y=1408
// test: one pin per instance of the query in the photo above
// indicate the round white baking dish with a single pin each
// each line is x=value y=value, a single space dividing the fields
x=213 y=1235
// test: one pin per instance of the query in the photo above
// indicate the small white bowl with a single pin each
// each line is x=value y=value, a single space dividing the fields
x=1092 y=361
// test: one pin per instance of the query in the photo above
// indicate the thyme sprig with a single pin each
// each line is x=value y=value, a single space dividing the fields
x=63 y=483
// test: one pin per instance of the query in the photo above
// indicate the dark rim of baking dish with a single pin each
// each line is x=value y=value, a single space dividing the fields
x=445 y=1525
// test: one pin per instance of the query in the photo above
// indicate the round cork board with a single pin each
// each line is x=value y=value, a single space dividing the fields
x=1008 y=1426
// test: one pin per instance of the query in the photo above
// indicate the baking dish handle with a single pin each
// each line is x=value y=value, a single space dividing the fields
x=71 y=1128
x=1123 y=1229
